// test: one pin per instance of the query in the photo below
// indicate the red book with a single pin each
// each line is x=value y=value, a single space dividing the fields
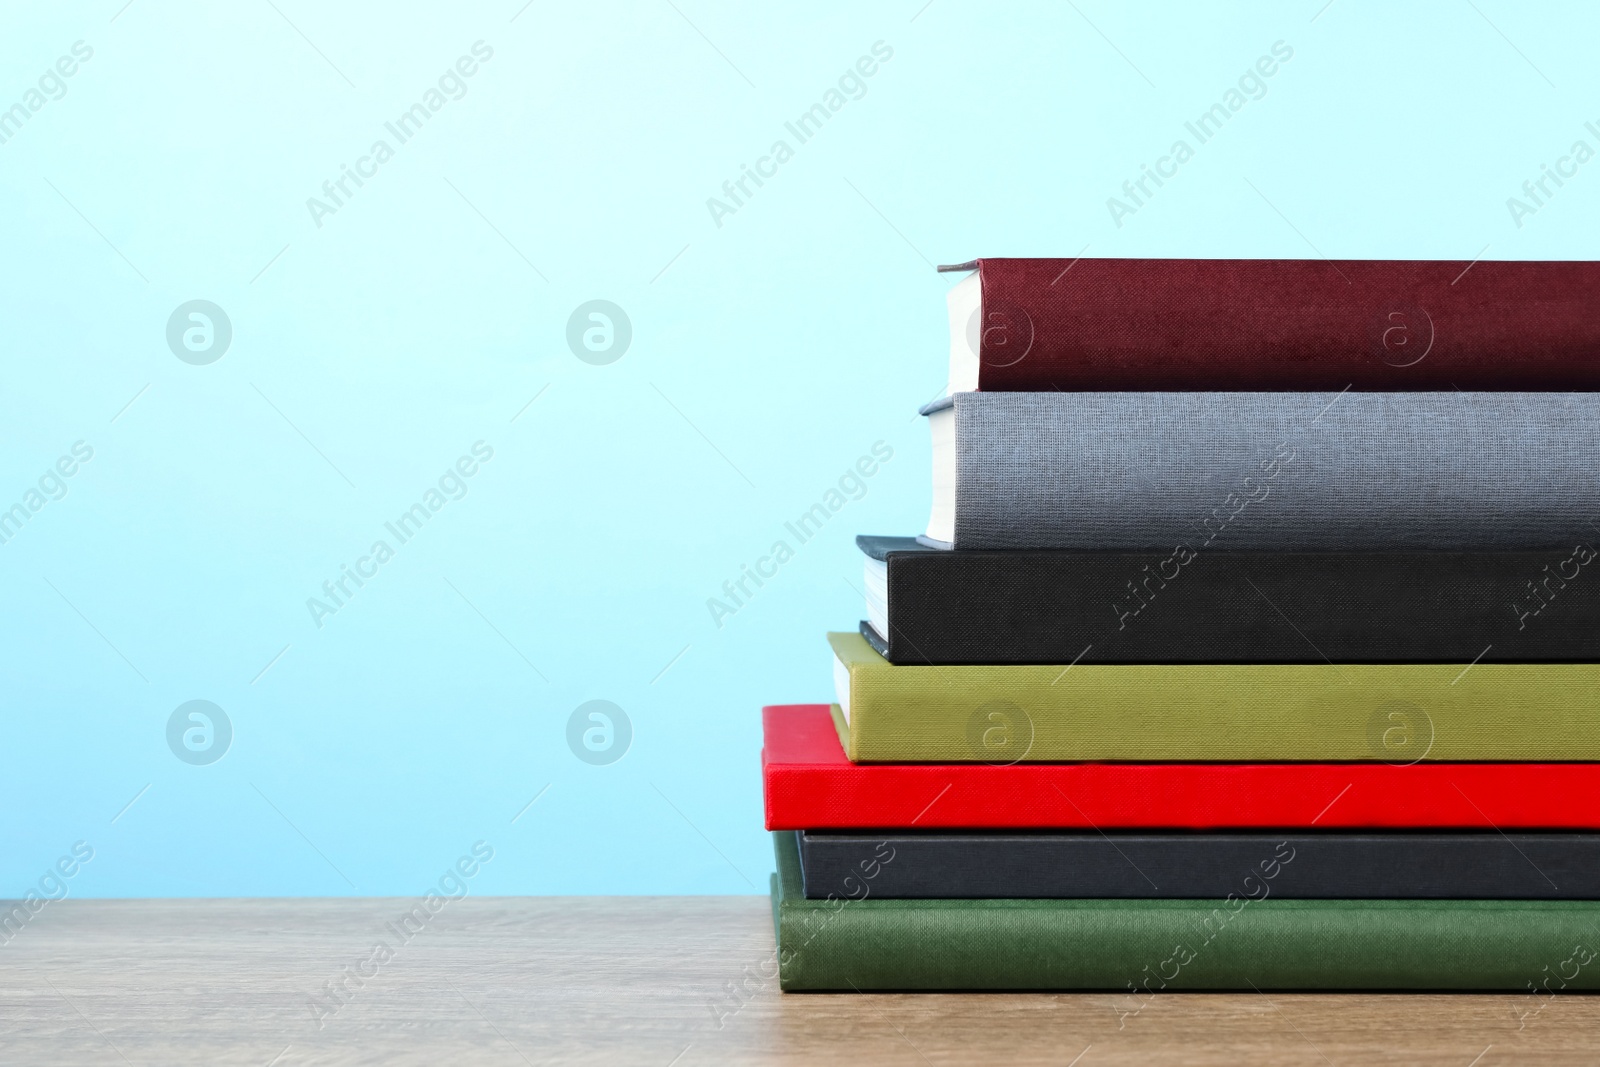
x=810 y=785
x=1083 y=325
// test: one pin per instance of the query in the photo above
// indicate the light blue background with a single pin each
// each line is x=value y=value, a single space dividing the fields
x=768 y=354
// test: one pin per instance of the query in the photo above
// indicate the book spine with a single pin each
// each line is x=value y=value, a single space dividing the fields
x=1183 y=606
x=1282 y=865
x=1196 y=472
x=1320 y=712
x=1197 y=796
x=808 y=783
x=1124 y=324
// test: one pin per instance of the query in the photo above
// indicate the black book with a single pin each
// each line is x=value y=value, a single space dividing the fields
x=928 y=605
x=1288 y=864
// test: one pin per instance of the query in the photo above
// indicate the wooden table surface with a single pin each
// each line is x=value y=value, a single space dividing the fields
x=639 y=980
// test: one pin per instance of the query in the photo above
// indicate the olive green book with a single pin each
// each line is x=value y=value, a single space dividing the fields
x=1138 y=948
x=1279 y=712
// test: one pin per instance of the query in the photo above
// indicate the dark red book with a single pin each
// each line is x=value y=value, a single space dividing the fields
x=809 y=785
x=1084 y=325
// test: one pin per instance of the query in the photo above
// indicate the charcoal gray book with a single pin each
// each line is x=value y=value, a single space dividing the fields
x=1211 y=865
x=1264 y=471
x=930 y=606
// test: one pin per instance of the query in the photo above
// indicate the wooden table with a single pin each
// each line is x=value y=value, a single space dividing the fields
x=638 y=980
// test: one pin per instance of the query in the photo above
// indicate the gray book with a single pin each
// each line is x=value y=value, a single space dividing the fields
x=1184 y=472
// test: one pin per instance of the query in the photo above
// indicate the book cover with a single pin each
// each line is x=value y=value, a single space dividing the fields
x=1047 y=606
x=1187 y=473
x=1194 y=712
x=1242 y=941
x=808 y=783
x=1486 y=864
x=1137 y=324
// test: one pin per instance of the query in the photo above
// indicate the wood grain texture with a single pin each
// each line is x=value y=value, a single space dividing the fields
x=639 y=980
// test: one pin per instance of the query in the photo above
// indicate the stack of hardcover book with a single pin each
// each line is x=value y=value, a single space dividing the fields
x=1254 y=642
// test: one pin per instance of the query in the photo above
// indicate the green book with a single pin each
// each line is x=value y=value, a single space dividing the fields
x=1142 y=947
x=1395 y=713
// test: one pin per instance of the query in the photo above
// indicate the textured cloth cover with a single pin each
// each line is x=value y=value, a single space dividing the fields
x=1128 y=324
x=1142 y=947
x=1305 y=865
x=1280 y=711
x=1188 y=472
x=808 y=784
x=972 y=606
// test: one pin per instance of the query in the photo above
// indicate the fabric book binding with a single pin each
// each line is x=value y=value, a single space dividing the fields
x=1242 y=942
x=808 y=783
x=1185 y=473
x=1229 y=607
x=1126 y=324
x=1118 y=864
x=1192 y=712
